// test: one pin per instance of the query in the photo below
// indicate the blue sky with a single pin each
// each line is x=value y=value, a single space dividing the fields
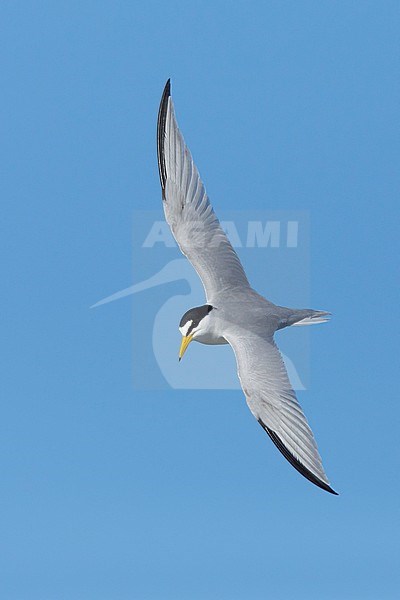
x=110 y=492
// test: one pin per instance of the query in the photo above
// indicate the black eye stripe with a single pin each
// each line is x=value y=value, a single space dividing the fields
x=193 y=325
x=195 y=315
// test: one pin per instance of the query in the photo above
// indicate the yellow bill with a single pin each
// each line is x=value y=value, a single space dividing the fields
x=184 y=344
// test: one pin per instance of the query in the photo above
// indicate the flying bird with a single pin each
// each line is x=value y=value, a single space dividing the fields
x=234 y=313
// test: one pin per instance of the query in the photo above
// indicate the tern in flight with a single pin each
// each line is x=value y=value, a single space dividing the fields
x=234 y=313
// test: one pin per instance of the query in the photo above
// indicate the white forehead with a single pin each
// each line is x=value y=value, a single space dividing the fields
x=185 y=328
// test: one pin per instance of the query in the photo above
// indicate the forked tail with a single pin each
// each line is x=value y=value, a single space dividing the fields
x=305 y=316
x=310 y=317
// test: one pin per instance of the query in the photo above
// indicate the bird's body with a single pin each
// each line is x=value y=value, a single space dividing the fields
x=234 y=313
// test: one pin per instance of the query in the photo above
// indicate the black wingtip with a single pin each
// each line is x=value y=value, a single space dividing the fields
x=167 y=88
x=295 y=462
x=162 y=115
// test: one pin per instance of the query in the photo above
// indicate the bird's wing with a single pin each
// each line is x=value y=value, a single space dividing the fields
x=273 y=402
x=188 y=210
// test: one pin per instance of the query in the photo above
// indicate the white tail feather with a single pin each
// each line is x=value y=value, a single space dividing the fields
x=314 y=320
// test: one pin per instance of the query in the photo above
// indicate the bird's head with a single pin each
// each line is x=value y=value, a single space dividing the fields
x=194 y=324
